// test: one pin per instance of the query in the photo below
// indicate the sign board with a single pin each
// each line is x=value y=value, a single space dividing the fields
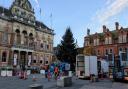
x=67 y=66
x=42 y=71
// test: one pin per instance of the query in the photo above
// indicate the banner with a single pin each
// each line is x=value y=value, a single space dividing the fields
x=67 y=66
x=29 y=60
x=15 y=60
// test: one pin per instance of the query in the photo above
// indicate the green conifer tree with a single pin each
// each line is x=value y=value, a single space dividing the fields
x=67 y=49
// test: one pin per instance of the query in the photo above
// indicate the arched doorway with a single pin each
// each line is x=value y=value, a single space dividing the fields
x=23 y=59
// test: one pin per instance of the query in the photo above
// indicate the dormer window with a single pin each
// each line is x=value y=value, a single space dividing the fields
x=87 y=42
x=108 y=40
x=96 y=42
x=122 y=38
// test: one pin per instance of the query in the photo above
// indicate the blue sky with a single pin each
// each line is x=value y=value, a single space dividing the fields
x=79 y=15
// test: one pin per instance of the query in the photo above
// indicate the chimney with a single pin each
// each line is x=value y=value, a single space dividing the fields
x=117 y=25
x=104 y=29
x=107 y=30
x=88 y=31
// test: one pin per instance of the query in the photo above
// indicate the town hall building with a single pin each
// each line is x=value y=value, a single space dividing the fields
x=24 y=41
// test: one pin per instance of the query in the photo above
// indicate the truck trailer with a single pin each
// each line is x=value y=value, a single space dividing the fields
x=86 y=66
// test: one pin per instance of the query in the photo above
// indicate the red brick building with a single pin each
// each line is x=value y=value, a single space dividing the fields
x=109 y=45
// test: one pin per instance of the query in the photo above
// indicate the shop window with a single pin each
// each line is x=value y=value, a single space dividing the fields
x=124 y=56
x=4 y=56
x=120 y=49
x=106 y=52
x=110 y=57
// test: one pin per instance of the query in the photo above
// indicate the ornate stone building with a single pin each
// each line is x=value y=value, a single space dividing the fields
x=23 y=39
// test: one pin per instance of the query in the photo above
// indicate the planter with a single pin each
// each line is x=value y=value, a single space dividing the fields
x=9 y=73
x=6 y=71
x=64 y=81
x=3 y=73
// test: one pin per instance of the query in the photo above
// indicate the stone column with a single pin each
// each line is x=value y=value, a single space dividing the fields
x=26 y=61
x=10 y=59
x=19 y=60
x=22 y=39
x=15 y=39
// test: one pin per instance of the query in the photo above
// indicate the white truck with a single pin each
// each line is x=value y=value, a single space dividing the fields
x=86 y=66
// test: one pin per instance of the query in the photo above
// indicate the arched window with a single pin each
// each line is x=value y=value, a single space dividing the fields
x=25 y=37
x=34 y=59
x=31 y=39
x=42 y=45
x=4 y=57
x=18 y=36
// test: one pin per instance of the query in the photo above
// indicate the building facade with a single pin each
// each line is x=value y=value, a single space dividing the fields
x=109 y=45
x=24 y=41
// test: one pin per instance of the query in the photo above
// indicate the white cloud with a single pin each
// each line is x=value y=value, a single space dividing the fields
x=111 y=9
x=37 y=3
x=109 y=1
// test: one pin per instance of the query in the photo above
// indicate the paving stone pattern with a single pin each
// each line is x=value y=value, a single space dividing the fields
x=16 y=83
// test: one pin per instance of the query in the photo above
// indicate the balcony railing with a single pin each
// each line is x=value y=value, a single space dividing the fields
x=44 y=50
x=23 y=46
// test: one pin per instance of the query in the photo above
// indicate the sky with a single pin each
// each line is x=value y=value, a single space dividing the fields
x=79 y=15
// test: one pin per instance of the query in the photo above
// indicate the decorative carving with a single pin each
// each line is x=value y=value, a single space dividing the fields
x=24 y=4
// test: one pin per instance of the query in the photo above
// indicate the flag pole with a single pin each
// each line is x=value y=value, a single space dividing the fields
x=3 y=8
x=51 y=21
x=40 y=13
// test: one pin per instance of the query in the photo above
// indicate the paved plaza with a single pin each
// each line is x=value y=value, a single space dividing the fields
x=16 y=83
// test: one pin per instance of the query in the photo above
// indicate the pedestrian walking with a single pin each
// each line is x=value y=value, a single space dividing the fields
x=56 y=70
x=49 y=75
